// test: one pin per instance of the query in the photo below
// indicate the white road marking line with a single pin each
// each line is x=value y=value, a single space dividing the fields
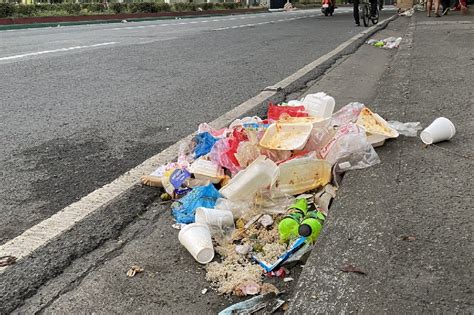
x=55 y=51
x=43 y=232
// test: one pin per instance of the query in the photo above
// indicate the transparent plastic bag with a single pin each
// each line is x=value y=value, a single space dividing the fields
x=273 y=202
x=246 y=153
x=350 y=147
x=320 y=134
x=408 y=129
x=238 y=208
x=347 y=114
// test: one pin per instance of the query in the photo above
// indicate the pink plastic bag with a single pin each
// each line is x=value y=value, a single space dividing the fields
x=223 y=152
x=218 y=155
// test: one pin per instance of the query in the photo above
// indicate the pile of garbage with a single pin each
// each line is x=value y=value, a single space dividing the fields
x=258 y=192
x=387 y=43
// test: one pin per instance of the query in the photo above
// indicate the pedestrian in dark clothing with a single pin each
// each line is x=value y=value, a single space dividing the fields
x=373 y=10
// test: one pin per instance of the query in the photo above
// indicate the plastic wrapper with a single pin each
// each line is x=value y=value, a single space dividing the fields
x=347 y=114
x=388 y=43
x=275 y=111
x=255 y=131
x=204 y=142
x=350 y=146
x=408 y=129
x=245 y=120
x=174 y=181
x=203 y=196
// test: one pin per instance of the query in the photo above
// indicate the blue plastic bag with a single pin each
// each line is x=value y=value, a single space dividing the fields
x=204 y=143
x=202 y=196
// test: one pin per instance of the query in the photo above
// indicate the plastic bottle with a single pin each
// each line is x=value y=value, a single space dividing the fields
x=289 y=225
x=312 y=225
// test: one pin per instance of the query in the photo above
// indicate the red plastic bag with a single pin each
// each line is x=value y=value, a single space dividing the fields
x=238 y=135
x=275 y=111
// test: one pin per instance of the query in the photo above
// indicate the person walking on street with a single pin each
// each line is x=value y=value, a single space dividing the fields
x=429 y=6
x=373 y=10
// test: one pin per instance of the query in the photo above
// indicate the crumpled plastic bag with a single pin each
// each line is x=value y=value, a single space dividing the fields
x=246 y=153
x=184 y=209
x=388 y=43
x=320 y=134
x=216 y=133
x=218 y=156
x=347 y=114
x=223 y=151
x=204 y=143
x=350 y=147
x=245 y=120
x=408 y=129
x=238 y=208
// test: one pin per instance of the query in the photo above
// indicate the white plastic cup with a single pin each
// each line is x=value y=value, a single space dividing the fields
x=440 y=129
x=214 y=218
x=196 y=238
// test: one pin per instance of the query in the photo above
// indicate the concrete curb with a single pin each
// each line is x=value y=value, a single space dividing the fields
x=54 y=21
x=21 y=280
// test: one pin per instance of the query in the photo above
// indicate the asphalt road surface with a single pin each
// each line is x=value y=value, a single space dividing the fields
x=81 y=105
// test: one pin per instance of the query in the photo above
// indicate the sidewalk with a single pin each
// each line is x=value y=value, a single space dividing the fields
x=406 y=223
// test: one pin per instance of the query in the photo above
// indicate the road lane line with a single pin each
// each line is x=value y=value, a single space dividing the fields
x=55 y=51
x=42 y=233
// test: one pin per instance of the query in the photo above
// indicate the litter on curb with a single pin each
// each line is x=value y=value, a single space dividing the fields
x=251 y=199
x=388 y=43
